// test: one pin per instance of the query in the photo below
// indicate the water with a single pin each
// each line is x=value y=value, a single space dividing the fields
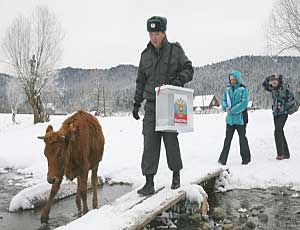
x=62 y=212
x=272 y=209
x=280 y=206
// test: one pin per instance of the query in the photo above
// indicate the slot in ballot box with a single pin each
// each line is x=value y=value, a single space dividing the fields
x=174 y=109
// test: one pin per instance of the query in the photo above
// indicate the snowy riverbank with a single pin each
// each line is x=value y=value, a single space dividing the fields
x=20 y=149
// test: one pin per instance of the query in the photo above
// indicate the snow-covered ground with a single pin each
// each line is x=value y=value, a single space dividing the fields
x=20 y=149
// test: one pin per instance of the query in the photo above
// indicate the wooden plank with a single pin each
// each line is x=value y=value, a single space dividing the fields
x=129 y=200
x=144 y=198
x=161 y=208
x=133 y=212
x=208 y=176
x=167 y=204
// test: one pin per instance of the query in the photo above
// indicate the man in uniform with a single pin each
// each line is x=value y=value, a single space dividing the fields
x=161 y=63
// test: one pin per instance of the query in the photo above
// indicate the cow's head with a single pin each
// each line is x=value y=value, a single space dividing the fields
x=56 y=150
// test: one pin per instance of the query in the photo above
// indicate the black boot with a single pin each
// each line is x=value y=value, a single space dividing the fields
x=148 y=188
x=176 y=180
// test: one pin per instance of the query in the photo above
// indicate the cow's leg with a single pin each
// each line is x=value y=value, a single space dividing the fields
x=46 y=209
x=78 y=197
x=94 y=186
x=83 y=191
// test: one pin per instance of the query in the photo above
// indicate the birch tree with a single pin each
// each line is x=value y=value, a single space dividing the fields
x=15 y=96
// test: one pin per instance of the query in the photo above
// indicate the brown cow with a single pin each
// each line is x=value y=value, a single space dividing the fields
x=73 y=150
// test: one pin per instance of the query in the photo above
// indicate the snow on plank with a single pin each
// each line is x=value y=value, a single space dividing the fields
x=120 y=215
x=133 y=211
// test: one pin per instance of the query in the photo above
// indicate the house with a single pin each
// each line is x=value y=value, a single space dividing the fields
x=205 y=102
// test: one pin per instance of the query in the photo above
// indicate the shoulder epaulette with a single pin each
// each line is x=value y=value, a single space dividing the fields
x=177 y=44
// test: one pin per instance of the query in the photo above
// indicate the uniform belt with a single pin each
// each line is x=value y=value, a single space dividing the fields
x=150 y=101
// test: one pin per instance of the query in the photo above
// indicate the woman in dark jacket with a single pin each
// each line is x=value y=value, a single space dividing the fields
x=282 y=96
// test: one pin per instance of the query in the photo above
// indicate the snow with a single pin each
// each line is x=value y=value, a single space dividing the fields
x=296 y=188
x=242 y=210
x=121 y=213
x=223 y=181
x=195 y=193
x=2 y=171
x=29 y=197
x=295 y=195
x=200 y=150
x=21 y=150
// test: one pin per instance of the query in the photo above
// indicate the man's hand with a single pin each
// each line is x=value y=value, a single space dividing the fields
x=135 y=112
x=227 y=110
x=177 y=82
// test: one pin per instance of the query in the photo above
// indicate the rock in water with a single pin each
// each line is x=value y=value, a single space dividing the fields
x=206 y=226
x=250 y=224
x=237 y=228
x=196 y=218
x=218 y=214
x=227 y=221
x=243 y=216
x=254 y=212
x=227 y=226
x=263 y=218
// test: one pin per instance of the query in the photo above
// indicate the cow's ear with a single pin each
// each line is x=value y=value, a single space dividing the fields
x=49 y=129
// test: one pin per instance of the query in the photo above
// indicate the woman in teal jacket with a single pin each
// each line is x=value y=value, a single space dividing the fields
x=235 y=102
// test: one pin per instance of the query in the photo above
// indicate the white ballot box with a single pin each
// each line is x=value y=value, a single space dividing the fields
x=174 y=109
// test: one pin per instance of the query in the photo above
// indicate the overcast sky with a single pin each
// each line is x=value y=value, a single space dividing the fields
x=105 y=33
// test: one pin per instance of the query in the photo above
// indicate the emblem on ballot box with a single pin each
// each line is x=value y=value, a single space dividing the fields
x=180 y=109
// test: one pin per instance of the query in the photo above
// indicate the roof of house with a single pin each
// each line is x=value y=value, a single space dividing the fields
x=203 y=100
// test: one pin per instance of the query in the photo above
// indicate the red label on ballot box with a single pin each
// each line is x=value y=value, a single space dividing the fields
x=180 y=109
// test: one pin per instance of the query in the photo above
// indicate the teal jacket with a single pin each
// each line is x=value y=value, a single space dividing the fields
x=235 y=98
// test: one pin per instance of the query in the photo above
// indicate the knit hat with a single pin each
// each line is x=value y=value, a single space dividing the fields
x=275 y=76
x=157 y=24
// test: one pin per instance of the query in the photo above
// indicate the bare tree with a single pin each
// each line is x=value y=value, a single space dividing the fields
x=32 y=47
x=283 y=31
x=15 y=96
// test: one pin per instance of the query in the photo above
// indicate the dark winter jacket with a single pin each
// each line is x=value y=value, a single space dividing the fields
x=152 y=71
x=282 y=96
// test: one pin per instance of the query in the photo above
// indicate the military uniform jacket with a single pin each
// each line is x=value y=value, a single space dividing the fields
x=153 y=68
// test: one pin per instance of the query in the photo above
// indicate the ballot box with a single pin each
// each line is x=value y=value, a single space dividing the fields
x=174 y=109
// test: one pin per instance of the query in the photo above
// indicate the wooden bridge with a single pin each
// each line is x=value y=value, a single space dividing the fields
x=132 y=212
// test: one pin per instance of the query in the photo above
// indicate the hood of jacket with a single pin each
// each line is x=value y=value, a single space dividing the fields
x=237 y=76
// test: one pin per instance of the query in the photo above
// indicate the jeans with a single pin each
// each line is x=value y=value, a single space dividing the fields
x=244 y=146
x=281 y=144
